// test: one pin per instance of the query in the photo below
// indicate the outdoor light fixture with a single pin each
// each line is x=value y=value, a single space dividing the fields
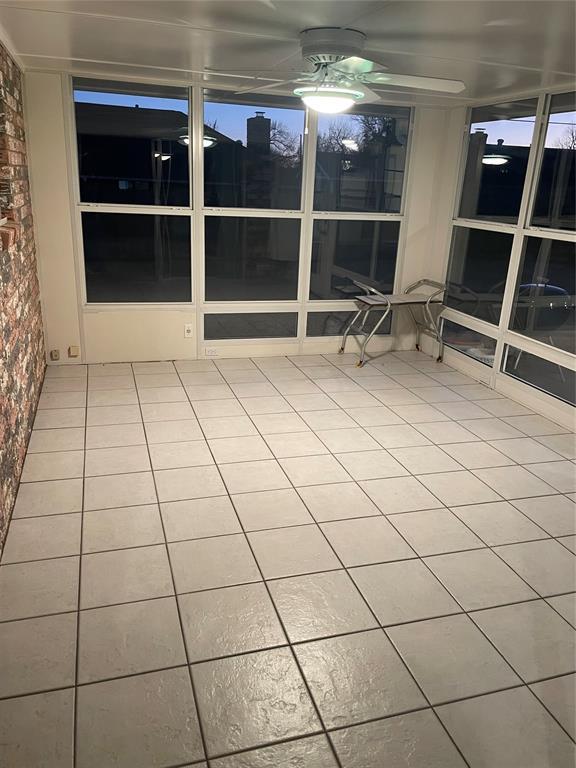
x=330 y=99
x=207 y=141
x=495 y=160
x=162 y=156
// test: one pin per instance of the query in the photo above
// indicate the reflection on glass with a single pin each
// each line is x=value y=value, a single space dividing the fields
x=544 y=304
x=360 y=159
x=498 y=149
x=555 y=199
x=136 y=257
x=477 y=272
x=252 y=325
x=334 y=323
x=131 y=142
x=251 y=259
x=469 y=342
x=252 y=152
x=343 y=251
x=549 y=377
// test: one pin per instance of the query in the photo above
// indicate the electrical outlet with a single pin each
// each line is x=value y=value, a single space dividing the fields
x=210 y=352
x=188 y=330
x=54 y=354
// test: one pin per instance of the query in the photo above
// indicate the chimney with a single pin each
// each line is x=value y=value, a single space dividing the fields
x=258 y=133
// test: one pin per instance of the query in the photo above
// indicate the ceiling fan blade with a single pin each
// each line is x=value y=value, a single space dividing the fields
x=354 y=65
x=376 y=57
x=370 y=96
x=415 y=81
x=266 y=87
x=257 y=71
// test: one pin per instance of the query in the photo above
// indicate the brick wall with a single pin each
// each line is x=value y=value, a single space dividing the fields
x=22 y=359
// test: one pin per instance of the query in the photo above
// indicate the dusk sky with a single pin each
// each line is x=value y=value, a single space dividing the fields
x=519 y=132
x=231 y=118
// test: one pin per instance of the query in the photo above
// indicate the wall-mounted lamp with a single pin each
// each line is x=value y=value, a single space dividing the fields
x=495 y=160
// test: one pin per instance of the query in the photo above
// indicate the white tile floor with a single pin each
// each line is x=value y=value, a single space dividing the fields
x=288 y=562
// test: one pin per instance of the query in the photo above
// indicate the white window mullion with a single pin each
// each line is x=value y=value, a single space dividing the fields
x=540 y=349
x=306 y=228
x=534 y=162
x=528 y=194
x=197 y=165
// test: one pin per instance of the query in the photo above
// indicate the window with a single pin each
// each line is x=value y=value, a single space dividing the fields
x=360 y=160
x=252 y=152
x=555 y=198
x=477 y=272
x=251 y=259
x=542 y=374
x=498 y=149
x=544 y=304
x=469 y=342
x=251 y=325
x=343 y=251
x=132 y=143
x=136 y=257
x=334 y=323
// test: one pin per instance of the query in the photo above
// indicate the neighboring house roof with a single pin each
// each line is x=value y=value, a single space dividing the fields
x=136 y=122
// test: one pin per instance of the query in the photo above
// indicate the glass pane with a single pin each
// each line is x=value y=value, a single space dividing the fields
x=477 y=272
x=261 y=325
x=251 y=259
x=544 y=304
x=132 y=143
x=252 y=152
x=469 y=342
x=334 y=323
x=136 y=257
x=343 y=251
x=360 y=160
x=555 y=204
x=541 y=374
x=498 y=149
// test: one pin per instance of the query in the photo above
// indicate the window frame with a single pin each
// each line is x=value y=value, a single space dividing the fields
x=523 y=228
x=198 y=213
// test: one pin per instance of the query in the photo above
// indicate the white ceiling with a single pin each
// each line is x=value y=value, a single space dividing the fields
x=498 y=48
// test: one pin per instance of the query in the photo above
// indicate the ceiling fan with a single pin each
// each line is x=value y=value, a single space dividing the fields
x=341 y=77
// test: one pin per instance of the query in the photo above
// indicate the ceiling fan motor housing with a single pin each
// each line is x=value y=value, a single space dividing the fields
x=329 y=45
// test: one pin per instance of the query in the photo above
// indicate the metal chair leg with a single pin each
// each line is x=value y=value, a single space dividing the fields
x=362 y=360
x=347 y=331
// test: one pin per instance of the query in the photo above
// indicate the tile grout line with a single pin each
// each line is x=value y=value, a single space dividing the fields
x=400 y=658
x=294 y=657
x=490 y=641
x=79 y=597
x=425 y=707
x=419 y=557
x=284 y=578
x=177 y=604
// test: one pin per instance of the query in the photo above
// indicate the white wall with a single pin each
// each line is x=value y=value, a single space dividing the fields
x=140 y=333
x=48 y=165
x=433 y=174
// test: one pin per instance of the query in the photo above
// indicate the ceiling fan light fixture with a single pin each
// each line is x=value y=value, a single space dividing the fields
x=330 y=99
